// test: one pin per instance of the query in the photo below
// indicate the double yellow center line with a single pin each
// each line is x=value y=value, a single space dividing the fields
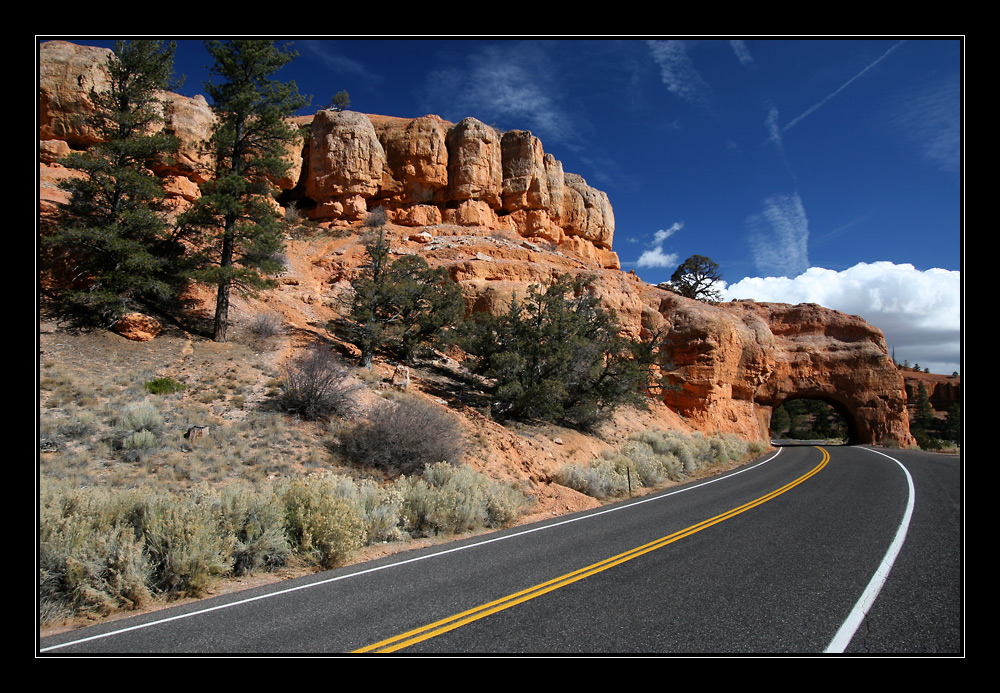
x=432 y=630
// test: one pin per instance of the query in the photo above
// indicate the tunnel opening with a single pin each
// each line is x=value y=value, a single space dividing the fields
x=808 y=420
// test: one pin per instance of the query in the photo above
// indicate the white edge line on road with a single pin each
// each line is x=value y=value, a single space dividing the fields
x=843 y=637
x=615 y=508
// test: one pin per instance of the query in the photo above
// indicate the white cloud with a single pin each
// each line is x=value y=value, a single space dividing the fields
x=512 y=85
x=657 y=258
x=743 y=53
x=677 y=71
x=779 y=236
x=841 y=88
x=919 y=311
x=664 y=234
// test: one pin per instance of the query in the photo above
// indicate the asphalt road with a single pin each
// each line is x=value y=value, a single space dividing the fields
x=810 y=550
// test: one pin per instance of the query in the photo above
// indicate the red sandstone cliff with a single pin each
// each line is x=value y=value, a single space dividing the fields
x=501 y=214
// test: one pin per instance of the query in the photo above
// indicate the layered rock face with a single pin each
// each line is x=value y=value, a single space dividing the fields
x=424 y=171
x=499 y=213
x=943 y=391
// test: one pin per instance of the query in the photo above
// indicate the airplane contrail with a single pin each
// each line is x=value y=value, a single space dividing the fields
x=844 y=86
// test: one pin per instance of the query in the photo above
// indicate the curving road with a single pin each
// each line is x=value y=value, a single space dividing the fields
x=807 y=550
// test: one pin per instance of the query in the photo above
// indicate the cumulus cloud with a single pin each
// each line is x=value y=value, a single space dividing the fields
x=779 y=236
x=919 y=311
x=656 y=256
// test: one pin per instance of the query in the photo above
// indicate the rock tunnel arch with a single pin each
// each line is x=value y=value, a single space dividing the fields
x=851 y=423
x=731 y=364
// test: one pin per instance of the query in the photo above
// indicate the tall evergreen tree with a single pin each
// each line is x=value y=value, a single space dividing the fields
x=953 y=424
x=241 y=230
x=114 y=232
x=923 y=413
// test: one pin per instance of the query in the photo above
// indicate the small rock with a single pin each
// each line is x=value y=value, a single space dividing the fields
x=137 y=327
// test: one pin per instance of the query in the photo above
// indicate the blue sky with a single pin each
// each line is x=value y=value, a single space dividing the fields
x=811 y=170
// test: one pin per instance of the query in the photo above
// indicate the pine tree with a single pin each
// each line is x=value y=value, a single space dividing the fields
x=241 y=230
x=341 y=101
x=697 y=277
x=923 y=415
x=558 y=356
x=953 y=424
x=398 y=304
x=113 y=231
x=780 y=422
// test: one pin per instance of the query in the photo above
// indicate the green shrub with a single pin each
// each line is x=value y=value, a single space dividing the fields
x=163 y=386
x=557 y=356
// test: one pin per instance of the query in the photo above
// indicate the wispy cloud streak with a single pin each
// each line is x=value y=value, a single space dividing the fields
x=677 y=71
x=844 y=86
x=743 y=54
x=325 y=52
x=779 y=237
x=510 y=84
x=931 y=116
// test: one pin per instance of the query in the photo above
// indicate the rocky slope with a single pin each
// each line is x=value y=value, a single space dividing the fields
x=501 y=214
x=943 y=391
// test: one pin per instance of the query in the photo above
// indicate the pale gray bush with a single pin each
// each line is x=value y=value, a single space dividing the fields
x=255 y=520
x=265 y=324
x=316 y=386
x=402 y=436
x=600 y=479
x=140 y=440
x=181 y=533
x=651 y=457
x=380 y=508
x=322 y=526
x=138 y=416
x=77 y=423
x=450 y=499
x=89 y=557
